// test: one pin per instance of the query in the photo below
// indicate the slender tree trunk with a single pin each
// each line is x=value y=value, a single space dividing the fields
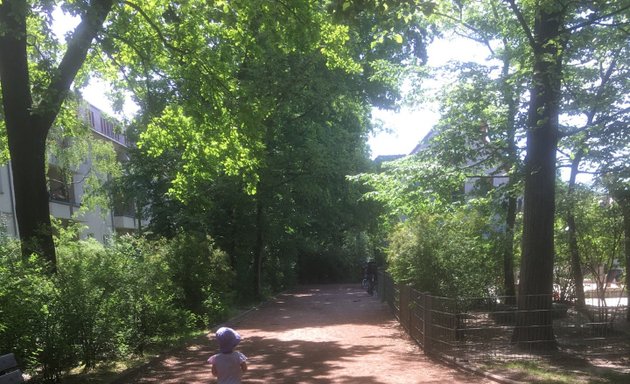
x=576 y=264
x=626 y=226
x=534 y=323
x=233 y=236
x=138 y=213
x=259 y=246
x=508 y=251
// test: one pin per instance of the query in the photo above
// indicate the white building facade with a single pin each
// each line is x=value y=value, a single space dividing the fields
x=65 y=199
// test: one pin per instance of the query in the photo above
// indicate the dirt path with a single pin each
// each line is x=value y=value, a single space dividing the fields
x=315 y=335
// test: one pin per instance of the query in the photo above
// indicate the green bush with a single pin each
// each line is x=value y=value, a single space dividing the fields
x=449 y=254
x=150 y=295
x=31 y=325
x=203 y=273
x=106 y=303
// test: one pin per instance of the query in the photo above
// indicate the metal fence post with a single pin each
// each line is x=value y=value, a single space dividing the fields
x=381 y=287
x=404 y=307
x=428 y=321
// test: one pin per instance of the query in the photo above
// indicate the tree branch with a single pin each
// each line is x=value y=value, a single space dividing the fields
x=588 y=126
x=155 y=27
x=78 y=46
x=523 y=23
x=595 y=20
x=481 y=39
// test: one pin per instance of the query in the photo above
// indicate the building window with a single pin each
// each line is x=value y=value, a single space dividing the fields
x=107 y=128
x=90 y=116
x=482 y=186
x=123 y=206
x=60 y=185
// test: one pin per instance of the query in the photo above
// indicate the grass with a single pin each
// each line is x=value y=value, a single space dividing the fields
x=106 y=373
x=543 y=372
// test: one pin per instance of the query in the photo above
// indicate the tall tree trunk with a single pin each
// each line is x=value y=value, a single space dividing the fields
x=534 y=323
x=28 y=124
x=510 y=99
x=28 y=163
x=26 y=137
x=576 y=264
x=626 y=227
x=624 y=201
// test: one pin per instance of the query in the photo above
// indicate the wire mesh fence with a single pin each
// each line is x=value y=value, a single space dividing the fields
x=496 y=328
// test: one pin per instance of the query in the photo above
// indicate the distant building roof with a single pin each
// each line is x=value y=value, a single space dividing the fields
x=384 y=158
x=424 y=142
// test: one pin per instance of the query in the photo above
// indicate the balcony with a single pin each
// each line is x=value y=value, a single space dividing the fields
x=105 y=127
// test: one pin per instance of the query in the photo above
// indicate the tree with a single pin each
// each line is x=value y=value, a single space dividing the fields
x=142 y=43
x=536 y=273
x=618 y=184
x=481 y=122
x=623 y=197
x=478 y=133
x=31 y=104
x=276 y=114
x=549 y=27
x=594 y=89
x=547 y=38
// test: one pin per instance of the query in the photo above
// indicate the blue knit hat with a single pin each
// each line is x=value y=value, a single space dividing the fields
x=228 y=339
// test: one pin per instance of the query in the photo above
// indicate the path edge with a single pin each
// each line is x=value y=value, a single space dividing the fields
x=125 y=375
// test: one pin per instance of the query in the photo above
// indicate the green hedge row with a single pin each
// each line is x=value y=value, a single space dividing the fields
x=109 y=302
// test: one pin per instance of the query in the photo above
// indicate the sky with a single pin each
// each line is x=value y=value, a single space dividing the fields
x=404 y=129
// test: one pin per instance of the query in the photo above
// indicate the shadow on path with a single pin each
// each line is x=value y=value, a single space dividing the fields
x=314 y=334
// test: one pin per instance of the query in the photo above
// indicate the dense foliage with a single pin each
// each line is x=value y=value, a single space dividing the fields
x=253 y=113
x=107 y=303
x=258 y=159
x=451 y=254
x=547 y=97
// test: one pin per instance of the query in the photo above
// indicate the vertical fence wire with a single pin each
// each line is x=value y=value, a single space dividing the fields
x=495 y=328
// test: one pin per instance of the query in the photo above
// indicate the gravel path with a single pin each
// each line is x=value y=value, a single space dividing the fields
x=315 y=335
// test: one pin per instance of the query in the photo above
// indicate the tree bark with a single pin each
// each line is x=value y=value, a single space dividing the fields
x=510 y=99
x=576 y=264
x=534 y=323
x=259 y=246
x=624 y=201
x=508 y=252
x=626 y=227
x=28 y=163
x=26 y=137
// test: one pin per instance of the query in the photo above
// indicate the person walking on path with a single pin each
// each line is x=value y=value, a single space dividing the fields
x=228 y=365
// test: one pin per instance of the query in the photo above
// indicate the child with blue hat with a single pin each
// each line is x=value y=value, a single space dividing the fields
x=228 y=365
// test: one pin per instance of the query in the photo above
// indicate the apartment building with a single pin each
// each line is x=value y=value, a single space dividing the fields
x=487 y=179
x=65 y=198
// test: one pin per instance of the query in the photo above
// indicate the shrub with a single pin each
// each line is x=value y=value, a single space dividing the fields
x=107 y=302
x=29 y=306
x=151 y=298
x=203 y=273
x=449 y=254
